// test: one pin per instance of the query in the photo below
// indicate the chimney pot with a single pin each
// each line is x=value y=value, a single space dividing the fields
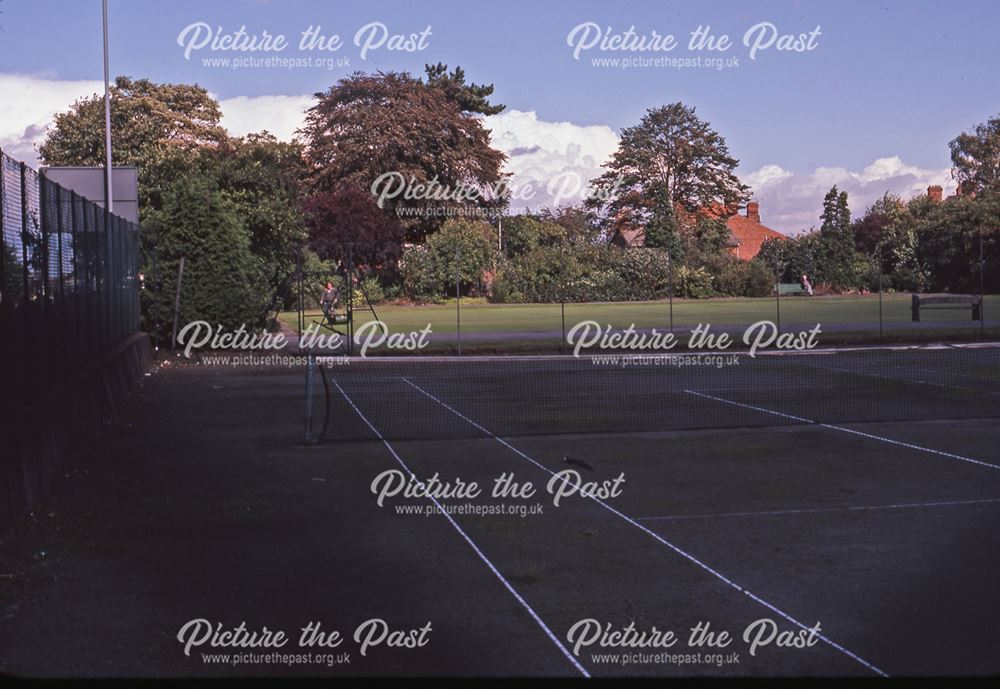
x=753 y=211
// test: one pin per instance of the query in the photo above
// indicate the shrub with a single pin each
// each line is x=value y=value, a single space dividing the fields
x=371 y=287
x=760 y=280
x=692 y=282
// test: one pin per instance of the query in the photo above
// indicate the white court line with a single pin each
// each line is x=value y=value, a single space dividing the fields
x=657 y=537
x=844 y=429
x=472 y=544
x=814 y=510
x=905 y=380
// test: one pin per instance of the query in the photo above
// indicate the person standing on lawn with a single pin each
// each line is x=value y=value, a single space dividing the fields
x=328 y=302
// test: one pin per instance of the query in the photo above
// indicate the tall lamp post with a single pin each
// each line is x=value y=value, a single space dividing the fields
x=108 y=195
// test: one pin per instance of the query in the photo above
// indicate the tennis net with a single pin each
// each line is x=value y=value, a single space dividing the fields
x=427 y=398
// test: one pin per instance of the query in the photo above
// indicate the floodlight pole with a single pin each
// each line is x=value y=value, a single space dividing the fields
x=108 y=195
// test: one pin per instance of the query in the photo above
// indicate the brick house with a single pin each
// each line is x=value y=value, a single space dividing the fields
x=748 y=233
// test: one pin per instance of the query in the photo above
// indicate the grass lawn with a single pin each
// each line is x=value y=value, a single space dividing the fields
x=843 y=315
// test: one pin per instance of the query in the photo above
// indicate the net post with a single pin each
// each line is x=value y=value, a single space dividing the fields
x=310 y=367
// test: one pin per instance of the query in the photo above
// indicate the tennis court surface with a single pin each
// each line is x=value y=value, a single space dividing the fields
x=849 y=498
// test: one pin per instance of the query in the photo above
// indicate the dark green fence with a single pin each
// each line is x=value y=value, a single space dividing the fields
x=69 y=285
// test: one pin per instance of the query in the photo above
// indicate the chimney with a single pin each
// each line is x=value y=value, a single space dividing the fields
x=935 y=192
x=753 y=211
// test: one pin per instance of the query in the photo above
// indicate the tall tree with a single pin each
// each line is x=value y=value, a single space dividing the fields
x=262 y=177
x=838 y=262
x=673 y=152
x=368 y=127
x=836 y=215
x=662 y=230
x=975 y=157
x=348 y=217
x=157 y=127
x=469 y=97
x=222 y=279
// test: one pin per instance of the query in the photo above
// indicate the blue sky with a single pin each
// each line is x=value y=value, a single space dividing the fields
x=887 y=81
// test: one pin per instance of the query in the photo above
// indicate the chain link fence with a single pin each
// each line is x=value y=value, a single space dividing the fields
x=467 y=318
x=69 y=284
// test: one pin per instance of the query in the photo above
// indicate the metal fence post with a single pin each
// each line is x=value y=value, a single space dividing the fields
x=350 y=298
x=982 y=287
x=177 y=303
x=881 y=326
x=458 y=296
x=25 y=238
x=777 y=302
x=300 y=316
x=75 y=260
x=3 y=239
x=562 y=298
x=59 y=240
x=670 y=289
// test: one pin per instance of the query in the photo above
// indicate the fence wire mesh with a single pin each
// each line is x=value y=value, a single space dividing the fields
x=69 y=282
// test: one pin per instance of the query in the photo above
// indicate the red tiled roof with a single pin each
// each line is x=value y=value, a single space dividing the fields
x=748 y=233
x=749 y=236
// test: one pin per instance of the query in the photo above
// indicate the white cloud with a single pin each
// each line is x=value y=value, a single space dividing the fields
x=27 y=107
x=30 y=102
x=539 y=152
x=792 y=202
x=280 y=115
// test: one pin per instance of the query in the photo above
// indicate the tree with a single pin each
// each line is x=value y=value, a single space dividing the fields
x=662 y=230
x=671 y=151
x=948 y=241
x=886 y=234
x=579 y=223
x=837 y=260
x=975 y=157
x=836 y=215
x=791 y=258
x=159 y=128
x=525 y=233
x=262 y=177
x=368 y=127
x=469 y=97
x=349 y=216
x=222 y=280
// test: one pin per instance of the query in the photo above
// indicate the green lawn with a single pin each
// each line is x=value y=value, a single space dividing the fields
x=855 y=315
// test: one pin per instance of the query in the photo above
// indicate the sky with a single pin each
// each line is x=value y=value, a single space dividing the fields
x=865 y=95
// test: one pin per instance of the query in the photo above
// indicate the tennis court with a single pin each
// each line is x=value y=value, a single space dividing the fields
x=858 y=489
